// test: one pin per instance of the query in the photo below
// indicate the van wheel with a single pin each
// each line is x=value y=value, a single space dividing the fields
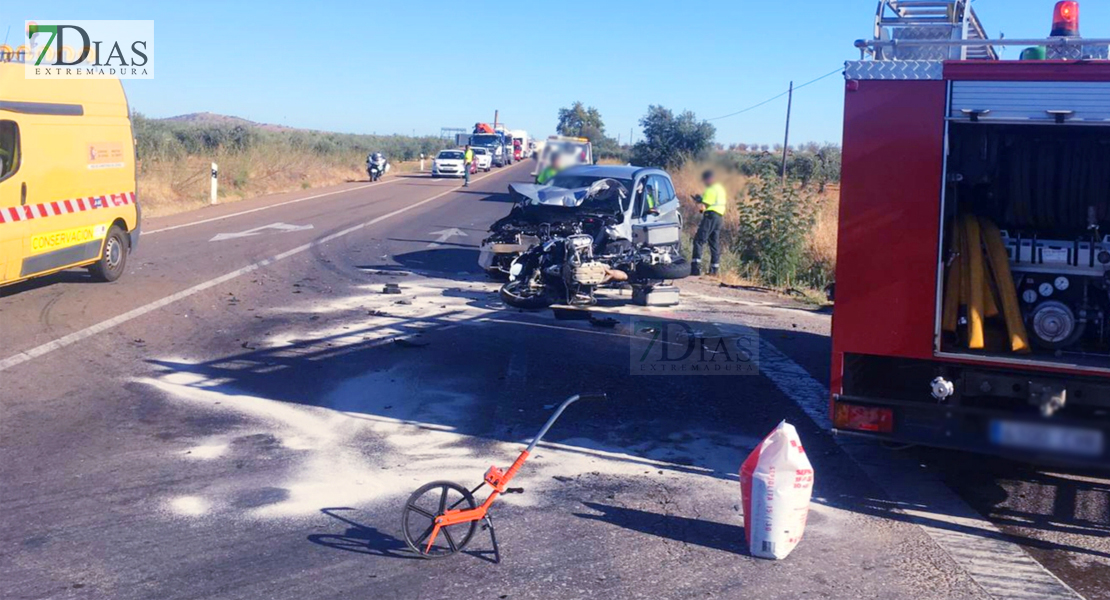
x=114 y=258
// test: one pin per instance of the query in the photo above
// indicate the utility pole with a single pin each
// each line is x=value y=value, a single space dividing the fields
x=786 y=139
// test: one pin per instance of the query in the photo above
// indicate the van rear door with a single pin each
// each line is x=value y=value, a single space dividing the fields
x=12 y=186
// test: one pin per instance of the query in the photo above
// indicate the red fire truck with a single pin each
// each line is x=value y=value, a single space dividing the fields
x=973 y=268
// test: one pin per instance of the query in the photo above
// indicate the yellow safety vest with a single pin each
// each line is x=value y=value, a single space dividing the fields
x=715 y=199
x=469 y=156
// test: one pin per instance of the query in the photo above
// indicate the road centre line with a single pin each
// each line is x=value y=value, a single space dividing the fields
x=393 y=179
x=105 y=325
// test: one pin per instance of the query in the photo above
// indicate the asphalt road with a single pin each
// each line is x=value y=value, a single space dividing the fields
x=235 y=419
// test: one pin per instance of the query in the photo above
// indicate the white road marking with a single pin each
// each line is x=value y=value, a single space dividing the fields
x=102 y=326
x=281 y=227
x=446 y=234
x=262 y=208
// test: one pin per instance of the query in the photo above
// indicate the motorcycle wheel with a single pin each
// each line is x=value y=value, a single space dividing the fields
x=678 y=269
x=518 y=294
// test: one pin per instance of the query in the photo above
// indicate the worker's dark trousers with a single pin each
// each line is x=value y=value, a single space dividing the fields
x=708 y=231
x=466 y=174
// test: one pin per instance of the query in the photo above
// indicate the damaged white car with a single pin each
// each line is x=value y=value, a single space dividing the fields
x=592 y=226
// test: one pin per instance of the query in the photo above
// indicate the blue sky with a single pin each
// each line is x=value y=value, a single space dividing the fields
x=403 y=67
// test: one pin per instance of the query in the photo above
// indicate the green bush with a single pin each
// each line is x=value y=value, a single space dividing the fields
x=774 y=225
x=811 y=166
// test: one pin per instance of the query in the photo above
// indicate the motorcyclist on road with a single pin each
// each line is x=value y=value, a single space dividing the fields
x=376 y=160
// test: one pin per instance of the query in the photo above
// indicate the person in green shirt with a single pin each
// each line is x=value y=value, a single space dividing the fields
x=468 y=157
x=550 y=172
x=712 y=203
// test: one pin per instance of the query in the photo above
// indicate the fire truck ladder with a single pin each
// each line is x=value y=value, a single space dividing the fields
x=931 y=20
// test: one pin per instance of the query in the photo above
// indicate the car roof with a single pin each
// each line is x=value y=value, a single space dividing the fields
x=614 y=171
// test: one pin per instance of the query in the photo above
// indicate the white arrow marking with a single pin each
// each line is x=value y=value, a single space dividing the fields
x=444 y=235
x=257 y=230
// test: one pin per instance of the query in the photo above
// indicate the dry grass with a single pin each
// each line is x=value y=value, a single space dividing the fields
x=821 y=241
x=174 y=186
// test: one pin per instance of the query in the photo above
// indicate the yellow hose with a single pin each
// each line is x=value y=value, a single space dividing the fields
x=1004 y=281
x=975 y=303
x=990 y=295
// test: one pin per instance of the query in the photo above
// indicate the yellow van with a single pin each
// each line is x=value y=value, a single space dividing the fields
x=67 y=176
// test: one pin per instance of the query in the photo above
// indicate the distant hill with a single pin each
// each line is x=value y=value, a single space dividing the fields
x=207 y=118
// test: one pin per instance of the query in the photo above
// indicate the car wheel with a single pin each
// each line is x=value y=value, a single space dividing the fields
x=113 y=257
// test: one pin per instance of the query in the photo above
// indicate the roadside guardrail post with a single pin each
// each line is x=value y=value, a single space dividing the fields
x=215 y=173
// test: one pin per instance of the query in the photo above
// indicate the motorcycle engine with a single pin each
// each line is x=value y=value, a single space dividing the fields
x=581 y=266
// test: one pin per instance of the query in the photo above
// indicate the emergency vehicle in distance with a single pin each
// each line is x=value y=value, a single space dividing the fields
x=67 y=176
x=973 y=267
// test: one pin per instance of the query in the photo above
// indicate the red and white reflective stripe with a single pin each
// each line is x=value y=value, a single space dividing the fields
x=65 y=207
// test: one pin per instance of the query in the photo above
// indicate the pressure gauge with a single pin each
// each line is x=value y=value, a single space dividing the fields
x=1030 y=296
x=1062 y=283
x=1045 y=289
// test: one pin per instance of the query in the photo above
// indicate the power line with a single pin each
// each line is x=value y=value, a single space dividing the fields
x=772 y=99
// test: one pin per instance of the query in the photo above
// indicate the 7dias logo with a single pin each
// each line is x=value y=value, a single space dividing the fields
x=90 y=50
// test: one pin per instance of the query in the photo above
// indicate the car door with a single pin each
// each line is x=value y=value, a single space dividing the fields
x=657 y=187
x=13 y=194
x=667 y=203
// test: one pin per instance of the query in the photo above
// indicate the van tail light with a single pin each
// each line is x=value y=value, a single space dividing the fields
x=1065 y=19
x=863 y=418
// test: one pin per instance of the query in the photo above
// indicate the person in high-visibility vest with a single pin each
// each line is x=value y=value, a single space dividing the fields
x=550 y=172
x=712 y=203
x=468 y=157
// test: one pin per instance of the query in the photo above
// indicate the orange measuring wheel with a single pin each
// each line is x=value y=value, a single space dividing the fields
x=440 y=518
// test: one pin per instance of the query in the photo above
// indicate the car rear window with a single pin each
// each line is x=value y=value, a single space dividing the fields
x=450 y=155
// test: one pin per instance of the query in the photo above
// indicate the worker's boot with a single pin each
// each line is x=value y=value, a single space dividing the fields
x=695 y=270
x=714 y=270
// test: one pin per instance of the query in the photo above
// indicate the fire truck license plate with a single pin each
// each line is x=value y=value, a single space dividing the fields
x=1052 y=438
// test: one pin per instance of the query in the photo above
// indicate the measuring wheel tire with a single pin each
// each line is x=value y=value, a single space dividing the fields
x=429 y=502
x=113 y=256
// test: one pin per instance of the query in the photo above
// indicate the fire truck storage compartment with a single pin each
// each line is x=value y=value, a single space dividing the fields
x=1026 y=242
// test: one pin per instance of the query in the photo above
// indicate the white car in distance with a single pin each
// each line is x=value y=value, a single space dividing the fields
x=483 y=158
x=449 y=163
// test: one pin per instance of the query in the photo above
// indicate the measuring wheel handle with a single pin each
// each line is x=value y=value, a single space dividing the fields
x=439 y=519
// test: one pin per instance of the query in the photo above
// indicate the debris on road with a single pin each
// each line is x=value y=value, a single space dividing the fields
x=606 y=322
x=570 y=314
x=408 y=343
x=391 y=288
